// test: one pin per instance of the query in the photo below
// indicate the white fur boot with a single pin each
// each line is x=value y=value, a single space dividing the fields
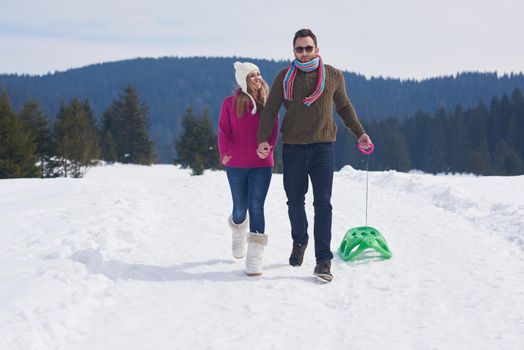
x=256 y=242
x=239 y=238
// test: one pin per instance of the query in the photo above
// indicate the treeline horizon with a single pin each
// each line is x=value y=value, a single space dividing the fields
x=32 y=146
x=482 y=140
x=170 y=85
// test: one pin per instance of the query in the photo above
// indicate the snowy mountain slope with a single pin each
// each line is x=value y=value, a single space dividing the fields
x=137 y=257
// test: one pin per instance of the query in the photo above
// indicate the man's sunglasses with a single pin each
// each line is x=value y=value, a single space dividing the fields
x=300 y=49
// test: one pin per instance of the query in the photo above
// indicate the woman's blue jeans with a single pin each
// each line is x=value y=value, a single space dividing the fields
x=249 y=188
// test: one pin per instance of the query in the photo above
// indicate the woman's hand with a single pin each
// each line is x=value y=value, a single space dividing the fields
x=263 y=150
x=225 y=159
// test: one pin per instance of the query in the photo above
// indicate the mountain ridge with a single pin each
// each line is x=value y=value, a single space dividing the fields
x=170 y=85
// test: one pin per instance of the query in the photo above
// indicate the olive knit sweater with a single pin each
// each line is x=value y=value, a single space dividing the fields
x=314 y=124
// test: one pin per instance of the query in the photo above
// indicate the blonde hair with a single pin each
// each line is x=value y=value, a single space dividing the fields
x=242 y=100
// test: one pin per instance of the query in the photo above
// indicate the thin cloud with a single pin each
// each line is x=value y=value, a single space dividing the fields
x=405 y=38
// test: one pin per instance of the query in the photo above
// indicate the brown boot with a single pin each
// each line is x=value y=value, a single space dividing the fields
x=297 y=254
x=323 y=271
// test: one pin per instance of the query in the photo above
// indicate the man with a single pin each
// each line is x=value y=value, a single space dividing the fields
x=308 y=89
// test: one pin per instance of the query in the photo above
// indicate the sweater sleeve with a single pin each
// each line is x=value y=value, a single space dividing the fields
x=224 y=129
x=345 y=109
x=270 y=111
x=274 y=134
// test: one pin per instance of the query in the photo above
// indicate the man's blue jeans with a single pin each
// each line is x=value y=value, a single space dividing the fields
x=316 y=161
x=249 y=187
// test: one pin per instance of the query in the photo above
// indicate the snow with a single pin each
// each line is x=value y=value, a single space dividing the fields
x=136 y=257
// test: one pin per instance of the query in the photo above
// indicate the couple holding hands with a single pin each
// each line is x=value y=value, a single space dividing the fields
x=248 y=127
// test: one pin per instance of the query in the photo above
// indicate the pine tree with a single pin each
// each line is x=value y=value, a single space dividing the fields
x=188 y=141
x=477 y=122
x=398 y=156
x=415 y=130
x=477 y=164
x=459 y=145
x=435 y=144
x=208 y=137
x=503 y=113
x=518 y=113
x=17 y=152
x=513 y=164
x=77 y=137
x=495 y=133
x=392 y=151
x=197 y=145
x=125 y=135
x=35 y=124
x=506 y=161
x=108 y=146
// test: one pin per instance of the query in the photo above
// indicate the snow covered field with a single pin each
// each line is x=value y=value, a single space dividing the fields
x=133 y=257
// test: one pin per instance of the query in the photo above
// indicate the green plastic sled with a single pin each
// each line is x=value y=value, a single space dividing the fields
x=361 y=238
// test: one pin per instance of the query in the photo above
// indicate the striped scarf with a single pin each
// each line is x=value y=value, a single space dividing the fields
x=310 y=66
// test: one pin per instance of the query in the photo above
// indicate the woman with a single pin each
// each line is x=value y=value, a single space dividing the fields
x=248 y=175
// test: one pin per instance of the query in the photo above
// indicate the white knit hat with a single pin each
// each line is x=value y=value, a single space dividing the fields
x=242 y=70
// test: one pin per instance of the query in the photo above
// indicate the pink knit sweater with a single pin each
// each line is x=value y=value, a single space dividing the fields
x=237 y=137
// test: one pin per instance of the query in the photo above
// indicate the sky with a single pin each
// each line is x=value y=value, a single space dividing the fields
x=400 y=39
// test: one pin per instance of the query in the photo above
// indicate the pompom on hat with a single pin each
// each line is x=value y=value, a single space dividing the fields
x=242 y=70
